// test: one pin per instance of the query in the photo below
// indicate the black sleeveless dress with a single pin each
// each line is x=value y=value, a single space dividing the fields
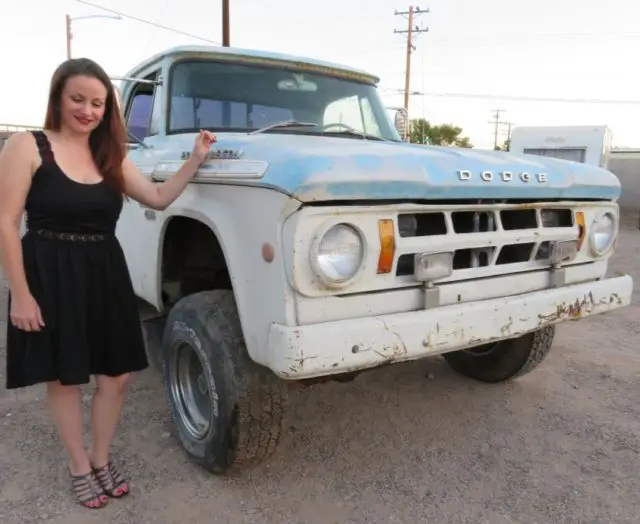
x=77 y=272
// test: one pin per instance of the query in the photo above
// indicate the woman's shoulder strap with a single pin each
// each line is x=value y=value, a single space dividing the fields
x=44 y=146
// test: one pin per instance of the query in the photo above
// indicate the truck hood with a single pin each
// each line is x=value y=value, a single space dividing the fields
x=312 y=168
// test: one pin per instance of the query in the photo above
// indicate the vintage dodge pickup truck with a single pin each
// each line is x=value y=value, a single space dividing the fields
x=314 y=243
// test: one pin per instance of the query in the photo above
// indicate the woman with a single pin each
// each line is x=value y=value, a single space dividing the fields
x=71 y=303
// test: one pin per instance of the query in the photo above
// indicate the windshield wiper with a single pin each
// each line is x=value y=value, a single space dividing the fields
x=353 y=132
x=284 y=123
x=348 y=130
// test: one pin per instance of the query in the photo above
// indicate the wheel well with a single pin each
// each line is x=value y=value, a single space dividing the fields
x=192 y=260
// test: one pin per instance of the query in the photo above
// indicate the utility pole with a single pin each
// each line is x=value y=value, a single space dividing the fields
x=509 y=136
x=410 y=47
x=496 y=123
x=225 y=24
x=68 y=23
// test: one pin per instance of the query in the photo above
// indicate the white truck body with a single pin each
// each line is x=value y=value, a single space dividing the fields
x=298 y=328
x=445 y=251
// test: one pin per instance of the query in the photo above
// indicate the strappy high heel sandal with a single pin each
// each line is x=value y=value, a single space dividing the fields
x=111 y=480
x=88 y=490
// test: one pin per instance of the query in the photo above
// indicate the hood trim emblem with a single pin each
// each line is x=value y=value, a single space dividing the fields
x=504 y=176
x=217 y=154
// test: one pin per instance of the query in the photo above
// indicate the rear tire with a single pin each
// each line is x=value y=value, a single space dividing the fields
x=504 y=360
x=228 y=411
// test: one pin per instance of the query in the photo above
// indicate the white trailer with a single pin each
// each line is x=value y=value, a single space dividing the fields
x=625 y=164
x=586 y=144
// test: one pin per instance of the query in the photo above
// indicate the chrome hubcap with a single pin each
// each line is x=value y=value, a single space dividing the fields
x=191 y=391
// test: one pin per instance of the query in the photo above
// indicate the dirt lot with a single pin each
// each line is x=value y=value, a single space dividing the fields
x=410 y=443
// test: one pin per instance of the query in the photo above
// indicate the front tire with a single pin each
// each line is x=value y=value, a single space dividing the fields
x=504 y=360
x=228 y=411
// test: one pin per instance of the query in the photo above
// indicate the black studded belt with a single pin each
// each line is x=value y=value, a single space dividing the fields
x=71 y=237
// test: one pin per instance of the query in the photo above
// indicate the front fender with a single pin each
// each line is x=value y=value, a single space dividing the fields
x=243 y=219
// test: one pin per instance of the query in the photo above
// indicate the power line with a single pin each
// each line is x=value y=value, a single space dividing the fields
x=510 y=37
x=152 y=35
x=410 y=47
x=397 y=91
x=148 y=22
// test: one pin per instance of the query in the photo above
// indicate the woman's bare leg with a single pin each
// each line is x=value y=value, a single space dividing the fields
x=66 y=407
x=105 y=413
x=107 y=406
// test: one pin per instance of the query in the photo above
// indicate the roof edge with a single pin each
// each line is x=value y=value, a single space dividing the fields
x=251 y=54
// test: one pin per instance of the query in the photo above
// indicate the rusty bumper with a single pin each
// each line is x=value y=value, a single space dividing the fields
x=349 y=345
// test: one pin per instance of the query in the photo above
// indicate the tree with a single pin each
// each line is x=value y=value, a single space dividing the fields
x=506 y=146
x=422 y=132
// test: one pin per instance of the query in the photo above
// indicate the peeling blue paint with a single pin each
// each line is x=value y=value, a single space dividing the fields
x=313 y=168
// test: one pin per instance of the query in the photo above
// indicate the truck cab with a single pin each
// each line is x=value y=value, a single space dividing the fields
x=315 y=243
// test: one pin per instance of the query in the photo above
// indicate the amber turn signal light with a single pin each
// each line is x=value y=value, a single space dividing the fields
x=582 y=230
x=387 y=245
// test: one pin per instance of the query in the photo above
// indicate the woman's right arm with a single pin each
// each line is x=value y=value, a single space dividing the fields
x=16 y=166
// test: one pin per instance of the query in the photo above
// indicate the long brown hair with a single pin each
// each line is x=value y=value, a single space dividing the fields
x=107 y=141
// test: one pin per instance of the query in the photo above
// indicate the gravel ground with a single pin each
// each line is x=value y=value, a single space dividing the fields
x=408 y=443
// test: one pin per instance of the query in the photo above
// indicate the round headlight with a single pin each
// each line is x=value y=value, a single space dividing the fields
x=602 y=233
x=339 y=254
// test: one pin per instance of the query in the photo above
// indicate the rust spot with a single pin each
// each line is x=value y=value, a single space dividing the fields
x=399 y=349
x=526 y=206
x=615 y=298
x=268 y=252
x=506 y=329
x=571 y=311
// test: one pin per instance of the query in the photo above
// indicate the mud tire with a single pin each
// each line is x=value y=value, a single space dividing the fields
x=504 y=360
x=246 y=402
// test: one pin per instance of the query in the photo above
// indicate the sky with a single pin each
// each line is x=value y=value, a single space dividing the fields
x=574 y=49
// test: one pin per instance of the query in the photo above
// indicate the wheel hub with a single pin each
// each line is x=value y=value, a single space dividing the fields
x=202 y=384
x=190 y=389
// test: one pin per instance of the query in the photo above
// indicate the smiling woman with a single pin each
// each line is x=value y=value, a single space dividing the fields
x=85 y=94
x=73 y=313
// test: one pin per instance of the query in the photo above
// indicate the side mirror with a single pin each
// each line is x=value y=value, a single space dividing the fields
x=401 y=121
x=135 y=143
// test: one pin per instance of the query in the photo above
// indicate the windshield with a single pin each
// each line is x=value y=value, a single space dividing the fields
x=237 y=97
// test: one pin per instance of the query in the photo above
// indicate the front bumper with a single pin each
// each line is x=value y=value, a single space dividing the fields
x=342 y=346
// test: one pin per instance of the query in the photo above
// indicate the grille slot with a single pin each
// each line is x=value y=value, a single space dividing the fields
x=513 y=219
x=556 y=218
x=468 y=258
x=422 y=224
x=473 y=221
x=515 y=253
